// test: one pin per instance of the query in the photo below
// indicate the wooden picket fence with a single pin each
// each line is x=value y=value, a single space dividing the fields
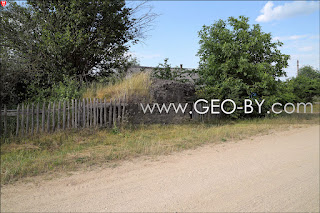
x=34 y=118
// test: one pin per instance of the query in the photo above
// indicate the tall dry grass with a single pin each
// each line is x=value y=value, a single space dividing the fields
x=71 y=150
x=136 y=86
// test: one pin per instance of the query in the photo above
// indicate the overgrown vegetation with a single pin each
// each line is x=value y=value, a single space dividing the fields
x=135 y=86
x=303 y=88
x=166 y=72
x=46 y=46
x=67 y=151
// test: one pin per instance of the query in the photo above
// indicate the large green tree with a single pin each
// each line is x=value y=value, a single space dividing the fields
x=237 y=60
x=45 y=42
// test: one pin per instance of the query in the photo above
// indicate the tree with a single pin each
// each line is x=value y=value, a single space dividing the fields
x=166 y=72
x=80 y=39
x=309 y=72
x=237 y=60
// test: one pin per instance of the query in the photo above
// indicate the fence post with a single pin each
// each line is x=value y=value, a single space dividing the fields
x=88 y=113
x=119 y=111
x=22 y=119
x=64 y=115
x=114 y=112
x=84 y=113
x=59 y=109
x=68 y=111
x=27 y=122
x=53 y=116
x=110 y=113
x=72 y=113
x=37 y=117
x=43 y=116
x=79 y=113
x=105 y=112
x=4 y=120
x=48 y=118
x=94 y=113
x=123 y=108
x=18 y=111
x=76 y=113
x=101 y=115
x=32 y=118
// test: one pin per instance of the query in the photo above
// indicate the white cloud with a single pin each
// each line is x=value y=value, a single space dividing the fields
x=287 y=10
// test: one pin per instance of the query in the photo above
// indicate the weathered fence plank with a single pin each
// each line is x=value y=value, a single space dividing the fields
x=43 y=116
x=101 y=115
x=5 y=120
x=64 y=115
x=84 y=113
x=114 y=112
x=88 y=113
x=94 y=113
x=110 y=113
x=27 y=120
x=119 y=111
x=18 y=115
x=72 y=113
x=79 y=114
x=48 y=117
x=32 y=118
x=53 y=116
x=59 y=109
x=68 y=111
x=105 y=111
x=22 y=120
x=37 y=118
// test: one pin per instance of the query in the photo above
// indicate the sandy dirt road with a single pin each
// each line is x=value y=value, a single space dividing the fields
x=277 y=172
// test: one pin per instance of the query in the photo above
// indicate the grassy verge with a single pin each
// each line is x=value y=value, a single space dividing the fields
x=67 y=151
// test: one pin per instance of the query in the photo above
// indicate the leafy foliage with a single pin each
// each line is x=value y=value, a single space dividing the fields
x=44 y=42
x=165 y=71
x=237 y=60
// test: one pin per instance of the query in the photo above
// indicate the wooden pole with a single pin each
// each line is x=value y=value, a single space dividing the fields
x=43 y=116
x=22 y=119
x=101 y=111
x=88 y=113
x=105 y=111
x=48 y=117
x=59 y=109
x=64 y=115
x=4 y=120
x=110 y=114
x=94 y=113
x=83 y=113
x=123 y=107
x=68 y=111
x=18 y=114
x=119 y=111
x=114 y=106
x=32 y=118
x=53 y=116
x=76 y=113
x=37 y=124
x=79 y=113
x=72 y=113
x=27 y=122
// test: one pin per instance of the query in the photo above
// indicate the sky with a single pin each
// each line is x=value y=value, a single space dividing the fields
x=174 y=34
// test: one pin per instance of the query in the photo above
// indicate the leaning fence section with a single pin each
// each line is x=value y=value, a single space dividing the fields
x=30 y=119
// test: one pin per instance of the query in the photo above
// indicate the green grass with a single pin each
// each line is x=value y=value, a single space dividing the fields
x=72 y=150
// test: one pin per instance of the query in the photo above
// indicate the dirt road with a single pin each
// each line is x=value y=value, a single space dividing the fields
x=277 y=172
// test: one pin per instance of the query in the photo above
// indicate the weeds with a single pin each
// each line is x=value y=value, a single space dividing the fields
x=71 y=150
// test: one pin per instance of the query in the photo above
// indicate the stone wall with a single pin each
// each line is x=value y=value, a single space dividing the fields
x=163 y=91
